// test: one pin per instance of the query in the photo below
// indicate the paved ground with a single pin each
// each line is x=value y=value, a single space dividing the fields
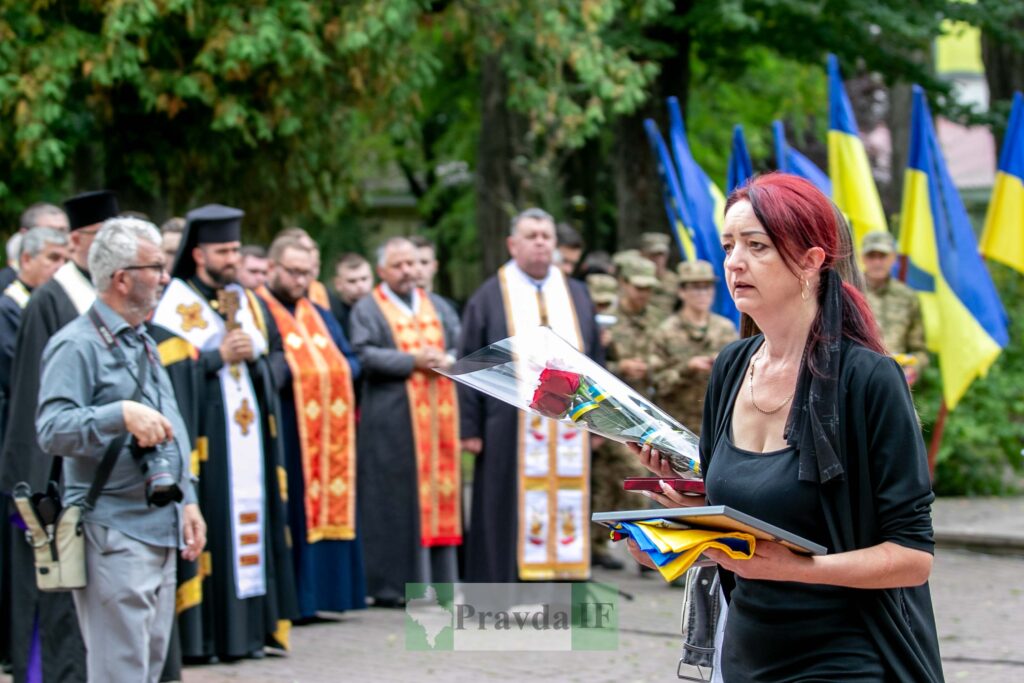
x=979 y=604
x=978 y=597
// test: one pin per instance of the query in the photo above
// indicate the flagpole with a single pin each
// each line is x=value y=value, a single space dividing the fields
x=940 y=419
x=933 y=448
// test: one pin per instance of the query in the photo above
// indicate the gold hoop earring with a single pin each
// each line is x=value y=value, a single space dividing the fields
x=805 y=289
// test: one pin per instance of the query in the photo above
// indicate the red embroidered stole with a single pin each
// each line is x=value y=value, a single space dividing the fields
x=434 y=410
x=325 y=413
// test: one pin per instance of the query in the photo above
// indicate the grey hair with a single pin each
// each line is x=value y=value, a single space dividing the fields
x=116 y=246
x=535 y=213
x=391 y=242
x=32 y=214
x=36 y=239
x=14 y=247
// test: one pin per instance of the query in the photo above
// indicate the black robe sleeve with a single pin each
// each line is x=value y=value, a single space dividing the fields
x=588 y=325
x=279 y=371
x=48 y=310
x=477 y=332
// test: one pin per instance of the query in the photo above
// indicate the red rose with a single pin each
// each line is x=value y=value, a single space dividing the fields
x=561 y=382
x=550 y=405
x=554 y=393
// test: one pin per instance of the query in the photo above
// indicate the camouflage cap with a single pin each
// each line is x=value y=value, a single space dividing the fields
x=620 y=257
x=639 y=273
x=603 y=288
x=696 y=271
x=654 y=242
x=878 y=242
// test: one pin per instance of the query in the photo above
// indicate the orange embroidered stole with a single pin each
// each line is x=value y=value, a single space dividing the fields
x=325 y=413
x=318 y=294
x=434 y=410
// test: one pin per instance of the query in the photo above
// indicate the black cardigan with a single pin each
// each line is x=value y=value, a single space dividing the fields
x=884 y=495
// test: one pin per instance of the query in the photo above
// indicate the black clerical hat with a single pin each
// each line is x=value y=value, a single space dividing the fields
x=90 y=208
x=210 y=224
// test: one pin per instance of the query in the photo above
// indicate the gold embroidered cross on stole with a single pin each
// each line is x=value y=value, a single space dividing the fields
x=191 y=317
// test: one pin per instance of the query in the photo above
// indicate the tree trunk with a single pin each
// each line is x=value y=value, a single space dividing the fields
x=897 y=119
x=495 y=181
x=1004 y=72
x=638 y=192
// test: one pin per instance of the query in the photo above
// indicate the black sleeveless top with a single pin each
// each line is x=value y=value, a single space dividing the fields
x=785 y=631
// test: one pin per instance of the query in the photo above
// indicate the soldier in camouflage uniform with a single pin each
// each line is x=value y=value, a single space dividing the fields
x=685 y=346
x=896 y=306
x=621 y=257
x=626 y=357
x=604 y=292
x=655 y=247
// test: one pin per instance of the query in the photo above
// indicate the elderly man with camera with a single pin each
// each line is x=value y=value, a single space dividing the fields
x=106 y=405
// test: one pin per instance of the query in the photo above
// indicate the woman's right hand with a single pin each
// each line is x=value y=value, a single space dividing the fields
x=653 y=460
x=657 y=463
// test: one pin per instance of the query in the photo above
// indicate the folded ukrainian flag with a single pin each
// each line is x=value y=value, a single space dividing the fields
x=674 y=550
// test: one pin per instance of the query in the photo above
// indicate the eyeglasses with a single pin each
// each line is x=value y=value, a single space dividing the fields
x=297 y=273
x=148 y=266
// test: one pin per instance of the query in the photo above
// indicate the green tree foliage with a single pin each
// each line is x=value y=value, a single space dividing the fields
x=267 y=105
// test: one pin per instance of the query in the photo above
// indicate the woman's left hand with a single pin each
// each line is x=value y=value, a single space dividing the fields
x=639 y=555
x=771 y=562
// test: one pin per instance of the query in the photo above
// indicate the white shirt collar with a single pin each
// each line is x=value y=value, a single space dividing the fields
x=398 y=301
x=539 y=284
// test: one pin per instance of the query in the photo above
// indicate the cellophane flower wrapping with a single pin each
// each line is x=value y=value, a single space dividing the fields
x=541 y=373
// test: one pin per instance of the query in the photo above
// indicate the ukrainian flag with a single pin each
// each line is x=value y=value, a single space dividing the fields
x=675 y=207
x=706 y=207
x=853 y=187
x=965 y=323
x=788 y=160
x=741 y=168
x=1003 y=238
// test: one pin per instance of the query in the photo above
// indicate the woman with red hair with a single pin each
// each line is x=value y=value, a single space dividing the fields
x=810 y=426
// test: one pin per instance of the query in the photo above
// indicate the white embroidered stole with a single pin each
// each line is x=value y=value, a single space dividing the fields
x=79 y=289
x=554 y=458
x=186 y=313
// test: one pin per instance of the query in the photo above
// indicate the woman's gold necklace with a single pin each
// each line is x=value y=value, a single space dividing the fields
x=753 y=362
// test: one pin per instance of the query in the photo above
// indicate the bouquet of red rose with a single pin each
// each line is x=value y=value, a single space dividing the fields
x=540 y=372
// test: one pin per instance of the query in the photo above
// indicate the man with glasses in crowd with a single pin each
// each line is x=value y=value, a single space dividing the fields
x=44 y=624
x=101 y=379
x=318 y=432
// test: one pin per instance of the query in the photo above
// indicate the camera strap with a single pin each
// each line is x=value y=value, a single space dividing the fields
x=114 y=449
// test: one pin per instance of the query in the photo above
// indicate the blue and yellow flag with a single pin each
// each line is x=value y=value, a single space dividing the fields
x=705 y=205
x=741 y=168
x=672 y=195
x=788 y=160
x=1003 y=238
x=853 y=186
x=964 y=320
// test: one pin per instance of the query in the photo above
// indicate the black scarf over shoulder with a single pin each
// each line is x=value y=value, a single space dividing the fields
x=813 y=423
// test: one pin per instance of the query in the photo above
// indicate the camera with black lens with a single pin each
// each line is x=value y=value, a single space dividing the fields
x=158 y=467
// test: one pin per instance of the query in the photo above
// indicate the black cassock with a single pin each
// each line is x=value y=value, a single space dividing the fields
x=63 y=653
x=220 y=624
x=490 y=548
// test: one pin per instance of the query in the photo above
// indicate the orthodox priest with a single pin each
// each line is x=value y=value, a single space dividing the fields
x=319 y=434
x=408 y=463
x=44 y=624
x=223 y=353
x=530 y=509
